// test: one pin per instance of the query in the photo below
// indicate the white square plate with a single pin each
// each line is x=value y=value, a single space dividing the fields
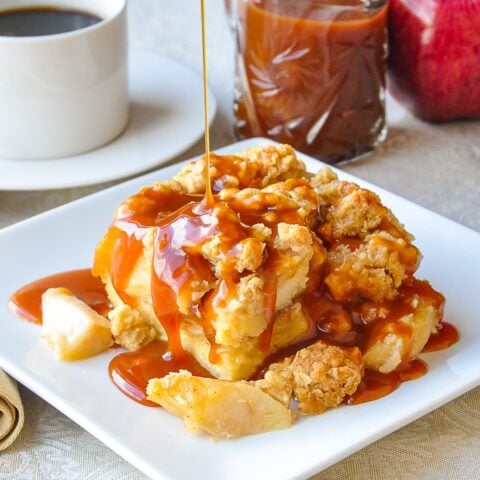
x=155 y=441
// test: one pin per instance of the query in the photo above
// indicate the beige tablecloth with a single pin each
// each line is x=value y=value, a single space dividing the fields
x=435 y=166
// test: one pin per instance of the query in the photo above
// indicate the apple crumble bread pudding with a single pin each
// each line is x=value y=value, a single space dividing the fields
x=286 y=293
x=282 y=259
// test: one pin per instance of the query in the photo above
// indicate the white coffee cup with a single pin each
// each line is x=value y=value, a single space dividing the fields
x=66 y=93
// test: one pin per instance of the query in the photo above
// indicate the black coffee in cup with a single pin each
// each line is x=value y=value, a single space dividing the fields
x=43 y=20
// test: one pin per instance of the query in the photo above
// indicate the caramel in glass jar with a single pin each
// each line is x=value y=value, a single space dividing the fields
x=311 y=73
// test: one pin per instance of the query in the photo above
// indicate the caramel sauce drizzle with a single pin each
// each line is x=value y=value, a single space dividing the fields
x=269 y=274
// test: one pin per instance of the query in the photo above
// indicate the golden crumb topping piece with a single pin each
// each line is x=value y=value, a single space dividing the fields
x=291 y=201
x=375 y=270
x=356 y=214
x=347 y=210
x=323 y=375
x=319 y=377
x=256 y=167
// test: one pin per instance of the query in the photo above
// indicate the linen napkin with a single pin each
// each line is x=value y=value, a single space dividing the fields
x=11 y=411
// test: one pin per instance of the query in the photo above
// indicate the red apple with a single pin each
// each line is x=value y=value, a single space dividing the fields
x=434 y=59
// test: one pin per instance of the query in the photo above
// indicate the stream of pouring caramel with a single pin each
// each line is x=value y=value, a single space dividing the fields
x=208 y=187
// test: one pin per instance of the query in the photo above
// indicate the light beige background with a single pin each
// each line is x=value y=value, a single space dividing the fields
x=437 y=166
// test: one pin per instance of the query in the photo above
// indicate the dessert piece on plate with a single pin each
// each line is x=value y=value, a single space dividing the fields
x=218 y=407
x=304 y=276
x=219 y=283
x=71 y=328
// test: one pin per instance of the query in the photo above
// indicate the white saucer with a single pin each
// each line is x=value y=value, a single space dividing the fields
x=166 y=119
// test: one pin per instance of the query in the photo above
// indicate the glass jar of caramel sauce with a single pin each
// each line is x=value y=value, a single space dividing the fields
x=311 y=73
